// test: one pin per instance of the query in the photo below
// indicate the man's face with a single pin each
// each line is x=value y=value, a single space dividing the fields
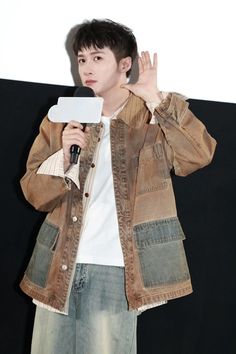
x=99 y=70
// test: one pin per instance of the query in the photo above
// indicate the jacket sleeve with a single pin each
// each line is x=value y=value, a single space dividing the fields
x=189 y=146
x=44 y=191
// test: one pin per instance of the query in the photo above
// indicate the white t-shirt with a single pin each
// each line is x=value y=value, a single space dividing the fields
x=100 y=242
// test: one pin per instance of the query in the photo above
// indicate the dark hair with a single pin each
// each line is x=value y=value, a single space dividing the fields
x=106 y=33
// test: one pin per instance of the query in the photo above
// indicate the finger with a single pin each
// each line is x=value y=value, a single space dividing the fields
x=74 y=133
x=73 y=124
x=155 y=60
x=147 y=60
x=143 y=60
x=147 y=57
x=74 y=136
x=75 y=140
x=140 y=65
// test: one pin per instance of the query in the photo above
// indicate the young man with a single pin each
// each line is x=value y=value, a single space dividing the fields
x=111 y=245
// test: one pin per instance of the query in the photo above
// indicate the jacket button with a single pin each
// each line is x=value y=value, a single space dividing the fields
x=86 y=195
x=64 y=267
x=92 y=165
x=74 y=218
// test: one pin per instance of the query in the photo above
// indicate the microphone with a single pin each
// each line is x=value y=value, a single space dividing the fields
x=82 y=91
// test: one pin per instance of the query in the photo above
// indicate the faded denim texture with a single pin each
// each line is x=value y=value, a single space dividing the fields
x=41 y=258
x=98 y=322
x=157 y=243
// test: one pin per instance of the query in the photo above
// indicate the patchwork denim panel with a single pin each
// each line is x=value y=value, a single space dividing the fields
x=38 y=267
x=161 y=252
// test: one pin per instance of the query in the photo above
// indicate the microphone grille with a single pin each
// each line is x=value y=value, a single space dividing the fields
x=84 y=91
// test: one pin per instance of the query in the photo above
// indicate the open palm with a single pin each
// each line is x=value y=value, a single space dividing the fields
x=146 y=85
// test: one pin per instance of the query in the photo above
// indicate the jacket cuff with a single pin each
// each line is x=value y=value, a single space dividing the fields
x=54 y=166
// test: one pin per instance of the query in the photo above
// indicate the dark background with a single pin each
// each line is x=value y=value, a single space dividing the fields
x=200 y=323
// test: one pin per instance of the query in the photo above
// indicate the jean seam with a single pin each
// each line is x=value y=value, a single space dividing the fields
x=82 y=279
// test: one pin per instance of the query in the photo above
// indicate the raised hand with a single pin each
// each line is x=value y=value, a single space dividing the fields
x=146 y=85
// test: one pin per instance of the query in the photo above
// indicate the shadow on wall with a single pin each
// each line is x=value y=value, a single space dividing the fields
x=74 y=63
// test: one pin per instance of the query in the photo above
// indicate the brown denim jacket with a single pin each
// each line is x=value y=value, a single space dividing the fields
x=143 y=155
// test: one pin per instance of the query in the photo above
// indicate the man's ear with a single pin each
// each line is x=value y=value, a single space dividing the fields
x=125 y=64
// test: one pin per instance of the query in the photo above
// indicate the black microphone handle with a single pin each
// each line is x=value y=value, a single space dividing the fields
x=75 y=150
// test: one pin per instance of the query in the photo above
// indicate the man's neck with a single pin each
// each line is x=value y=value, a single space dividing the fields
x=114 y=100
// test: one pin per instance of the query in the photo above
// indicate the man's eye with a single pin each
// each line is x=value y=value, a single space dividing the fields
x=97 y=58
x=81 y=61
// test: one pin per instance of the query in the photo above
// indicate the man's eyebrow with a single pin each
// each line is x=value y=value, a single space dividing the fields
x=81 y=55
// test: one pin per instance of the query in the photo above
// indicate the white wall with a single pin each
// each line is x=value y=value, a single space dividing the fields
x=194 y=39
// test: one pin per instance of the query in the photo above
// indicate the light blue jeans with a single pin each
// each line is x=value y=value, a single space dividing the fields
x=98 y=322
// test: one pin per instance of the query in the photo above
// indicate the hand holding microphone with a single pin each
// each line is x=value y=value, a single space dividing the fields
x=75 y=149
x=74 y=138
x=77 y=111
x=75 y=134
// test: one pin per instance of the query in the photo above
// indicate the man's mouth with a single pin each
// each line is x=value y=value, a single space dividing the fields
x=90 y=82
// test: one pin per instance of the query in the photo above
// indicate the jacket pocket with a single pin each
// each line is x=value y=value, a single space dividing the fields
x=161 y=252
x=153 y=169
x=38 y=267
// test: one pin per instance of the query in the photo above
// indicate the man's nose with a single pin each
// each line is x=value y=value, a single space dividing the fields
x=88 y=68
